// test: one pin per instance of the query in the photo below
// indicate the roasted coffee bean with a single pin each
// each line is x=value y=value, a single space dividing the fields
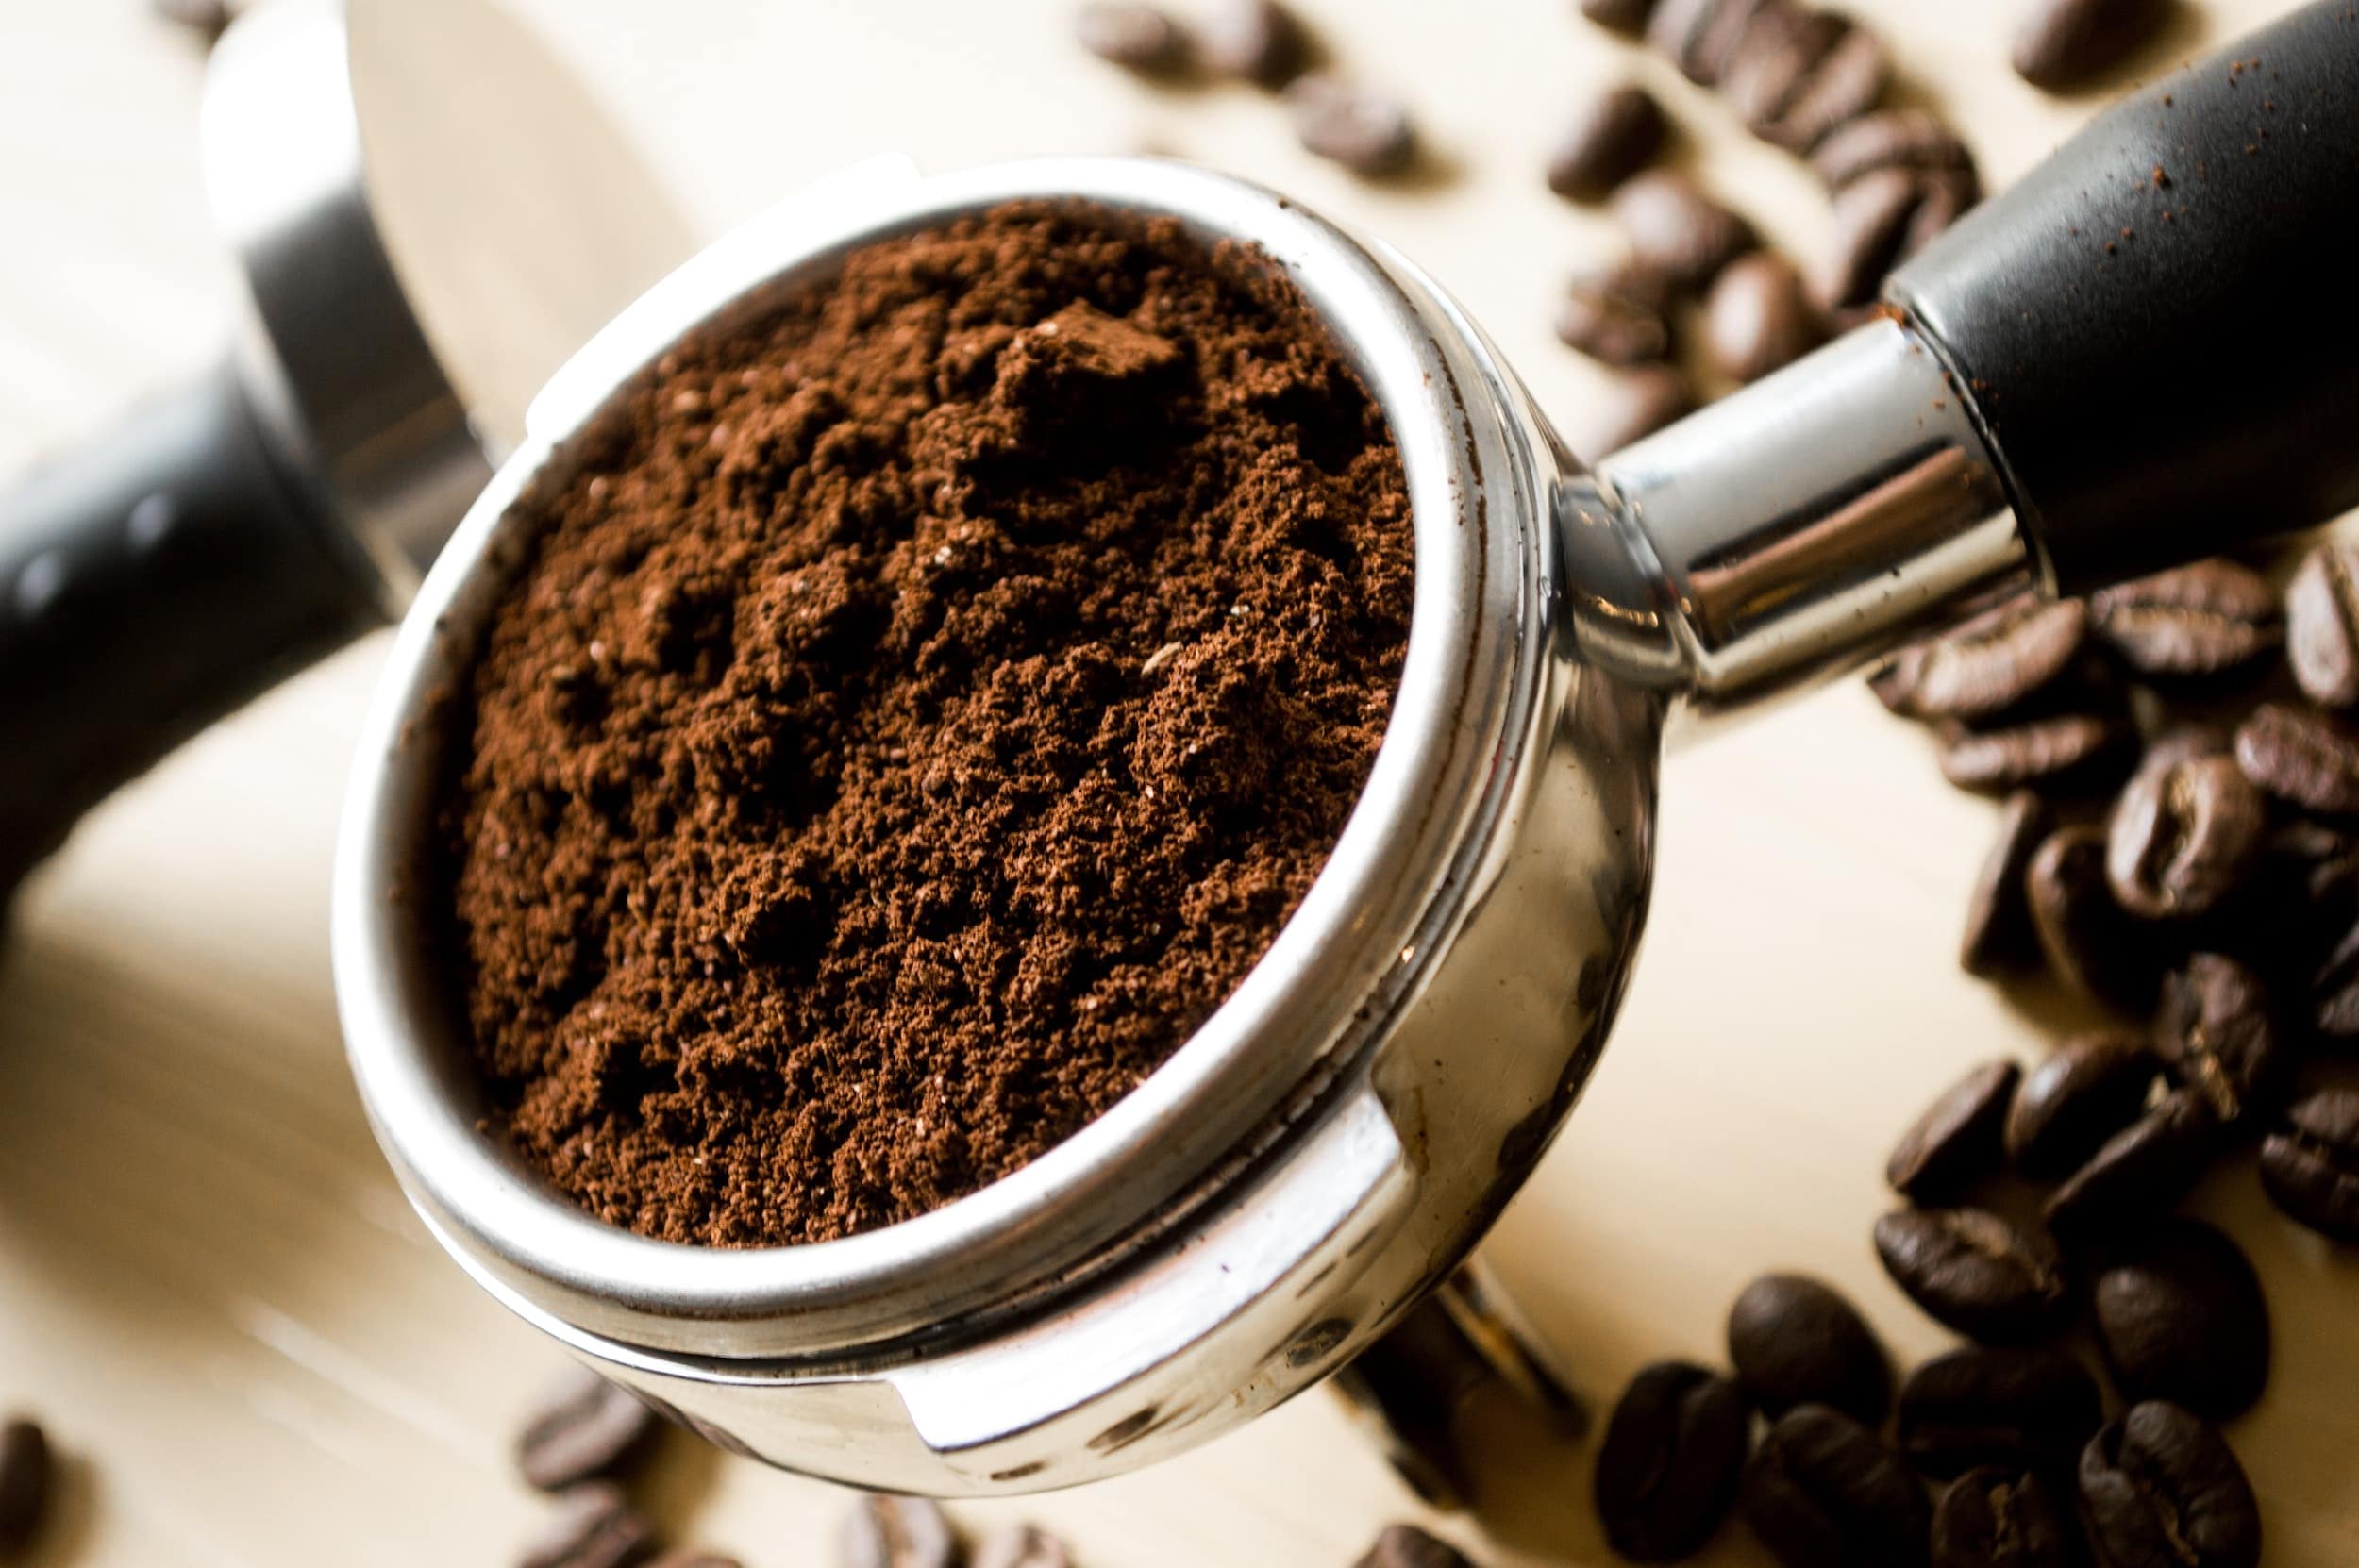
x=1845 y=83
x=2070 y=1105
x=1022 y=1546
x=2070 y=745
x=1880 y=219
x=1367 y=132
x=1407 y=1546
x=1797 y=72
x=897 y=1532
x=1973 y=1270
x=1758 y=317
x=1640 y=401
x=1669 y=1466
x=2160 y=1488
x=1956 y=1141
x=2183 y=835
x=583 y=1428
x=2311 y=1167
x=27 y=1474
x=1998 y=935
x=2194 y=620
x=1677 y=231
x=694 y=1557
x=2217 y=1034
x=2334 y=992
x=1795 y=1340
x=1257 y=40
x=1611 y=137
x=1620 y=316
x=2138 y=1173
x=2003 y=1517
x=1987 y=665
x=2301 y=757
x=1703 y=36
x=1135 y=37
x=594 y=1526
x=2322 y=625
x=1907 y=139
x=2063 y=43
x=1823 y=1492
x=1976 y=1406
x=2181 y=1317
x=2092 y=945
x=207 y=19
x=1623 y=16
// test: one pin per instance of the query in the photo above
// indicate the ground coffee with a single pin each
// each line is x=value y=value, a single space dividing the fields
x=925 y=703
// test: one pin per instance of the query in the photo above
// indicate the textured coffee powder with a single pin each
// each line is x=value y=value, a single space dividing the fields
x=923 y=706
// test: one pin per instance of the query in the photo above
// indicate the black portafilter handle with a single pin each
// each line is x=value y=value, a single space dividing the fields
x=151 y=581
x=2158 y=328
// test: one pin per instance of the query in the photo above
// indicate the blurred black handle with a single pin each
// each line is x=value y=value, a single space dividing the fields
x=2159 y=327
x=150 y=582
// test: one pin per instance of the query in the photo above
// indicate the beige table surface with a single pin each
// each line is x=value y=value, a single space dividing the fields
x=209 y=1287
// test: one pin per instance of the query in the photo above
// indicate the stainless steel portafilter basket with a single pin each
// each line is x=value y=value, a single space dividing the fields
x=2047 y=401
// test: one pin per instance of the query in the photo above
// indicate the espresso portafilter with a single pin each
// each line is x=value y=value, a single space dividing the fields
x=2145 y=351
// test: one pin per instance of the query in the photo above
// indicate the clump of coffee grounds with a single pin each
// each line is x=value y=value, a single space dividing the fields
x=924 y=707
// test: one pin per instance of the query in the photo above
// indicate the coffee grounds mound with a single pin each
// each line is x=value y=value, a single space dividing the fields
x=923 y=706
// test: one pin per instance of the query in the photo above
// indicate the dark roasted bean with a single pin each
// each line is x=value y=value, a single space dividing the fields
x=1258 y=40
x=1976 y=1406
x=26 y=1474
x=2311 y=1168
x=2091 y=944
x=2069 y=745
x=594 y=1526
x=694 y=1557
x=2301 y=757
x=1135 y=37
x=2140 y=1172
x=1611 y=137
x=2334 y=990
x=1998 y=935
x=1988 y=1279
x=1367 y=132
x=1758 y=317
x=1823 y=1492
x=1700 y=36
x=2070 y=1105
x=2006 y=1517
x=1987 y=665
x=1640 y=401
x=897 y=1532
x=2217 y=1034
x=1778 y=49
x=2194 y=620
x=207 y=19
x=1882 y=219
x=1668 y=1465
x=1845 y=83
x=1407 y=1546
x=1623 y=16
x=1022 y=1546
x=1677 y=231
x=2183 y=835
x=2064 y=42
x=2181 y=1317
x=1620 y=316
x=1956 y=1141
x=1907 y=139
x=2322 y=625
x=582 y=1428
x=2160 y=1488
x=1795 y=1340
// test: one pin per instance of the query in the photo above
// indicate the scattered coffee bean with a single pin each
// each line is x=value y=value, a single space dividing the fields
x=1897 y=139
x=1882 y=219
x=2195 y=620
x=2181 y=1317
x=1367 y=132
x=1677 y=230
x=1022 y=1546
x=1986 y=665
x=1976 y=1405
x=1975 y=1272
x=1640 y=401
x=1620 y=316
x=2217 y=1034
x=2070 y=1105
x=27 y=1472
x=2334 y=990
x=1795 y=1340
x=2311 y=1167
x=2065 y=42
x=1623 y=16
x=207 y=19
x=2160 y=1487
x=2092 y=945
x=1135 y=37
x=1407 y=1546
x=2322 y=625
x=897 y=1532
x=2069 y=745
x=1758 y=317
x=1824 y=1492
x=583 y=1428
x=1668 y=1465
x=2140 y=1172
x=2301 y=757
x=1956 y=1141
x=594 y=1526
x=1611 y=137
x=1999 y=1517
x=1703 y=36
x=1781 y=45
x=1845 y=83
x=694 y=1557
x=2183 y=835
x=1259 y=41
x=1998 y=935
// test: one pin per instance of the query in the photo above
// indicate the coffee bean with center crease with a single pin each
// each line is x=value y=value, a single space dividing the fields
x=1022 y=1546
x=2216 y=1033
x=2160 y=1488
x=2091 y=944
x=1896 y=138
x=1677 y=231
x=26 y=1476
x=2003 y=1517
x=1845 y=83
x=2322 y=625
x=897 y=1532
x=1969 y=1268
x=1758 y=317
x=1135 y=37
x=1797 y=72
x=2194 y=620
x=1999 y=935
x=694 y=1557
x=2180 y=1317
x=1880 y=219
x=1259 y=40
x=1978 y=1405
x=1407 y=1546
x=1824 y=1492
x=1956 y=1141
x=583 y=1428
x=2311 y=1166
x=1367 y=132
x=2139 y=1173
x=1703 y=36
x=1611 y=137
x=2065 y=746
x=2184 y=834
x=2334 y=992
x=1986 y=665
x=1623 y=16
x=1620 y=316
x=2070 y=1105
x=2065 y=42
x=2301 y=757
x=1795 y=1340
x=1668 y=1465
x=1638 y=402
x=594 y=1526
